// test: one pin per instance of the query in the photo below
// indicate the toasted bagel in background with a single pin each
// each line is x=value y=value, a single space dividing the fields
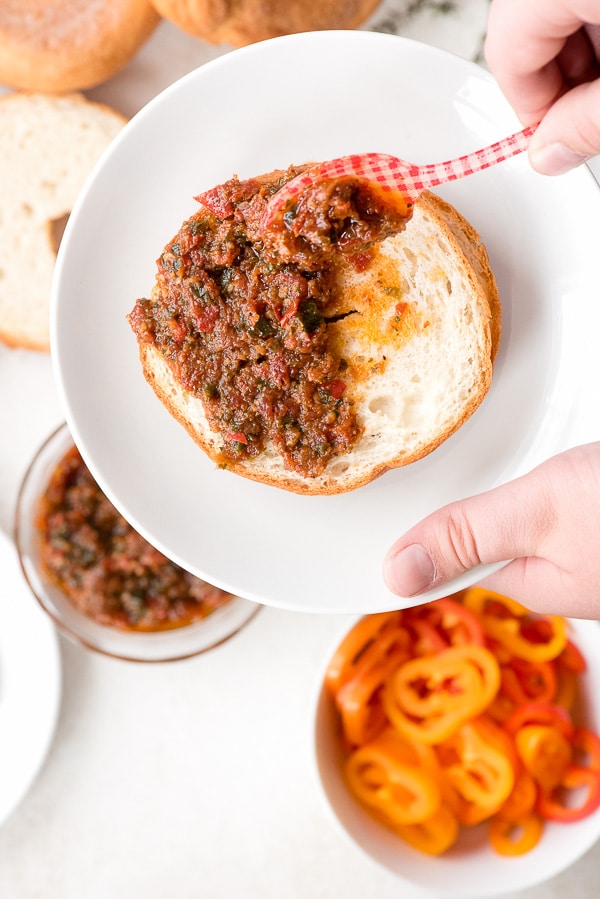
x=58 y=46
x=419 y=328
x=242 y=22
x=48 y=147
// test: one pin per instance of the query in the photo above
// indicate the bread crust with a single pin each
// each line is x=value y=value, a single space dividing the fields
x=466 y=254
x=242 y=22
x=58 y=46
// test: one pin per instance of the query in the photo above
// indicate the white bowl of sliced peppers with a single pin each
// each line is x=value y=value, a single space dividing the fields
x=458 y=743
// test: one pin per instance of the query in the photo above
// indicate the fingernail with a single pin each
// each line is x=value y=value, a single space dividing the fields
x=409 y=571
x=555 y=159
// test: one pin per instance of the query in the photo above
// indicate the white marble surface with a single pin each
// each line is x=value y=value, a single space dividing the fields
x=196 y=778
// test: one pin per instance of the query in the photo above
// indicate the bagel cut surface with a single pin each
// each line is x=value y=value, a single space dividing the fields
x=328 y=371
x=48 y=147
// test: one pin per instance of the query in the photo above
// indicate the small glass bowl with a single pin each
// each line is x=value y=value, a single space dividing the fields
x=156 y=646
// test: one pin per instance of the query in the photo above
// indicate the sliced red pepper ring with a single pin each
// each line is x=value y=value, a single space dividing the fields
x=380 y=776
x=426 y=639
x=429 y=697
x=454 y=624
x=545 y=753
x=524 y=681
x=586 y=749
x=572 y=659
x=508 y=837
x=540 y=713
x=433 y=836
x=501 y=708
x=559 y=804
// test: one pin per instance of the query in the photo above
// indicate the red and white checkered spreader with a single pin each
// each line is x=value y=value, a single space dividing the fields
x=394 y=174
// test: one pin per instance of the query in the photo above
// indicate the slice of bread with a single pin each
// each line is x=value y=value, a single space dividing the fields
x=48 y=146
x=419 y=328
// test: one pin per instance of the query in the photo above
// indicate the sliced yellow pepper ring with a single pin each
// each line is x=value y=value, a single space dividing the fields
x=545 y=753
x=536 y=638
x=479 y=769
x=429 y=697
x=381 y=778
x=515 y=837
x=433 y=836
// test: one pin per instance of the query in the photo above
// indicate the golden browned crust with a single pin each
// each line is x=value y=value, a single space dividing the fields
x=242 y=22
x=57 y=46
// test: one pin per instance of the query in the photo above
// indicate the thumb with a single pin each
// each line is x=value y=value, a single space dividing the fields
x=495 y=526
x=569 y=133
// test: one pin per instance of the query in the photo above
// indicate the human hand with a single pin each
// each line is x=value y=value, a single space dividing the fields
x=545 y=56
x=547 y=521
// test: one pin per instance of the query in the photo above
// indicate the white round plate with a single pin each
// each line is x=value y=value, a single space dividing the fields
x=290 y=100
x=30 y=683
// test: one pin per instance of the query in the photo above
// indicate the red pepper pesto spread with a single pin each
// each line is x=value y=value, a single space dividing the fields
x=104 y=567
x=241 y=316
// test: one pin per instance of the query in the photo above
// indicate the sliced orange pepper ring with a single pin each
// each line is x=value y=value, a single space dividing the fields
x=358 y=699
x=479 y=769
x=429 y=697
x=379 y=775
x=522 y=798
x=515 y=837
x=342 y=664
x=433 y=836
x=566 y=688
x=545 y=753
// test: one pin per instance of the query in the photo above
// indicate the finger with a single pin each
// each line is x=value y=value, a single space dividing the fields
x=495 y=526
x=522 y=45
x=577 y=60
x=569 y=134
x=522 y=578
x=542 y=587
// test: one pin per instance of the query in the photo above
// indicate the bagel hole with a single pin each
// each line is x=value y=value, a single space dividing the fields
x=57 y=229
